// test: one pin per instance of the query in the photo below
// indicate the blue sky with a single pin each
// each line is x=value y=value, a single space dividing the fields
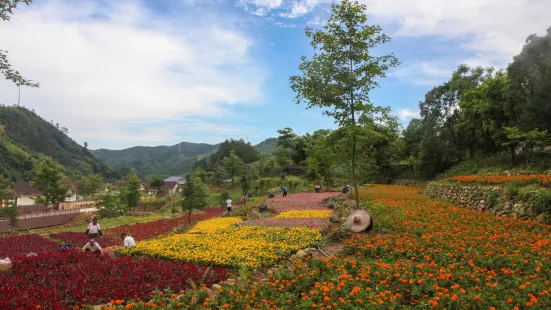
x=157 y=72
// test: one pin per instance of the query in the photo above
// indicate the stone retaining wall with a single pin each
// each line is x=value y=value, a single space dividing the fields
x=484 y=199
x=412 y=183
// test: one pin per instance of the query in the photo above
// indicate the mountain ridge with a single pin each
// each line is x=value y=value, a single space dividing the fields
x=27 y=137
x=163 y=160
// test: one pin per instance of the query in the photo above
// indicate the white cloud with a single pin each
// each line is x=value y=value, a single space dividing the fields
x=405 y=114
x=493 y=30
x=424 y=72
x=110 y=66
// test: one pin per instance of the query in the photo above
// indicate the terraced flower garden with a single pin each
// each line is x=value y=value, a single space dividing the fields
x=55 y=279
x=422 y=254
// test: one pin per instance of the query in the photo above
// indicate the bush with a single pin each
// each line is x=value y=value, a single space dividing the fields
x=539 y=197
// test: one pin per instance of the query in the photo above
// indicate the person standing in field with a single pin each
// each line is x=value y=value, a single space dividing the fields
x=127 y=240
x=93 y=247
x=94 y=230
x=244 y=198
x=284 y=190
x=229 y=206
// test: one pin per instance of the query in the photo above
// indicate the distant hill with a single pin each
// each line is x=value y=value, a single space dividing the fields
x=156 y=161
x=165 y=161
x=267 y=146
x=27 y=137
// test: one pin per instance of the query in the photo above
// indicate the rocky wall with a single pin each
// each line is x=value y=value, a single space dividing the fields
x=484 y=199
x=412 y=183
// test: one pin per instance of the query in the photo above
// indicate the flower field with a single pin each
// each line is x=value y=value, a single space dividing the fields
x=20 y=245
x=79 y=239
x=541 y=179
x=214 y=225
x=72 y=278
x=287 y=222
x=302 y=201
x=221 y=243
x=431 y=255
x=305 y=214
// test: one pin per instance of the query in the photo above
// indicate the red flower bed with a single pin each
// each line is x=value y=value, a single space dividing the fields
x=80 y=239
x=72 y=278
x=20 y=245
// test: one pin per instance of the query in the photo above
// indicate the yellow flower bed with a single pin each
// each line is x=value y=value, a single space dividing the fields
x=254 y=246
x=305 y=214
x=214 y=225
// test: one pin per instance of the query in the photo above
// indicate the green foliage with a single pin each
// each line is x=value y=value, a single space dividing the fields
x=27 y=138
x=156 y=161
x=10 y=213
x=341 y=74
x=131 y=193
x=90 y=185
x=110 y=204
x=49 y=180
x=233 y=164
x=267 y=146
x=224 y=195
x=480 y=112
x=539 y=197
x=159 y=184
x=195 y=194
x=240 y=148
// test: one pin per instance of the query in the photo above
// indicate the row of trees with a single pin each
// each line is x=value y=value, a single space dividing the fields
x=483 y=111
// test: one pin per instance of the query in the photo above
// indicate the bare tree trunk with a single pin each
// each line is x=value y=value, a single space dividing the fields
x=354 y=170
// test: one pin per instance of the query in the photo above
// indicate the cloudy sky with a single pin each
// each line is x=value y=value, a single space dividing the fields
x=157 y=72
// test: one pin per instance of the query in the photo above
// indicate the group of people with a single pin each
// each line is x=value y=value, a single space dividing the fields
x=94 y=233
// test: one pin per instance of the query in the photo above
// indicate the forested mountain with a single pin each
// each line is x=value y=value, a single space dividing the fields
x=156 y=161
x=267 y=146
x=27 y=137
x=170 y=160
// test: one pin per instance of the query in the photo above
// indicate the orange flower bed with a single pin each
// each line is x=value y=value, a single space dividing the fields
x=422 y=254
x=541 y=179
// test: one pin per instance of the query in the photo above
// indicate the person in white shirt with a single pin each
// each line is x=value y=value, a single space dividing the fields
x=94 y=230
x=128 y=241
x=229 y=206
x=93 y=247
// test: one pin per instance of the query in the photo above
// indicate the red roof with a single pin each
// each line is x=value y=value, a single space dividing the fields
x=25 y=188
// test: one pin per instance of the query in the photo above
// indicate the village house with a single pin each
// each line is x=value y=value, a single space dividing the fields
x=147 y=189
x=174 y=185
x=26 y=193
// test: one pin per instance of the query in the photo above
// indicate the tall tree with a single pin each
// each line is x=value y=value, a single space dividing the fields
x=158 y=183
x=530 y=98
x=195 y=194
x=131 y=193
x=233 y=165
x=8 y=209
x=91 y=184
x=340 y=76
x=49 y=180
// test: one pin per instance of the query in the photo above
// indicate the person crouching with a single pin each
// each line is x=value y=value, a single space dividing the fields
x=93 y=247
x=127 y=240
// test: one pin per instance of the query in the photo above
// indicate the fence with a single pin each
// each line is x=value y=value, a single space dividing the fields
x=31 y=208
x=76 y=205
x=40 y=219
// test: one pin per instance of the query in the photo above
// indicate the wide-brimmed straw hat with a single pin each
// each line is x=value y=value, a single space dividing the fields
x=359 y=220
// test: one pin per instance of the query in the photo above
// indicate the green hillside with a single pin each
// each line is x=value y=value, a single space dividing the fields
x=165 y=161
x=27 y=137
x=156 y=161
x=267 y=146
